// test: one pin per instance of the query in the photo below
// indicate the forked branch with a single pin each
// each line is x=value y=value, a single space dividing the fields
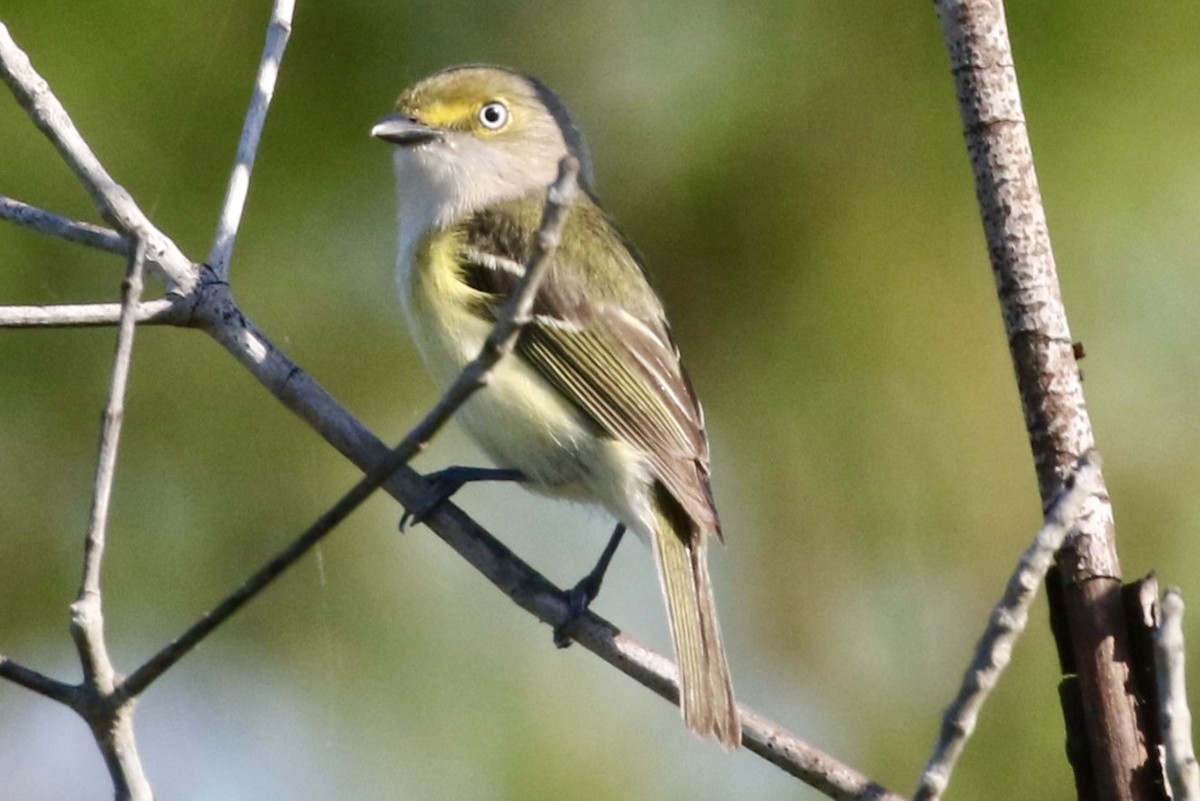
x=114 y=203
x=499 y=344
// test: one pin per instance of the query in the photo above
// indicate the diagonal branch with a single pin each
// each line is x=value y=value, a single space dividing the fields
x=220 y=317
x=278 y=31
x=499 y=344
x=214 y=310
x=93 y=236
x=1005 y=625
x=37 y=682
x=115 y=204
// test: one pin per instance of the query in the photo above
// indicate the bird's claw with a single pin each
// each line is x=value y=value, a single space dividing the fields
x=444 y=483
x=579 y=598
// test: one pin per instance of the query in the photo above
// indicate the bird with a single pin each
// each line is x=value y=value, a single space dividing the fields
x=594 y=405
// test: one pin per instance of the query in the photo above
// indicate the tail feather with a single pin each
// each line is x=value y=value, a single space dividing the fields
x=705 y=688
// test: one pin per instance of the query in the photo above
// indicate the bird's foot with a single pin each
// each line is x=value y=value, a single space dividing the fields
x=580 y=597
x=444 y=483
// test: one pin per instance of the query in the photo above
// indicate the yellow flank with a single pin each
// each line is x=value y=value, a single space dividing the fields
x=519 y=419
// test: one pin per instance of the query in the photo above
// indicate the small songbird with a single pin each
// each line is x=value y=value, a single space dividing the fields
x=594 y=404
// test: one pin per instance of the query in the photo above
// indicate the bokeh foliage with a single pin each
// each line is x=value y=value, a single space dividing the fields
x=795 y=175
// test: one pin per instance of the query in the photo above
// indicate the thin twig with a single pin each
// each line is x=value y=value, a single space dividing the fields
x=1179 y=759
x=278 y=32
x=297 y=390
x=93 y=236
x=162 y=311
x=499 y=343
x=112 y=724
x=39 y=683
x=221 y=318
x=87 y=616
x=172 y=652
x=1005 y=625
x=215 y=312
x=810 y=765
x=114 y=203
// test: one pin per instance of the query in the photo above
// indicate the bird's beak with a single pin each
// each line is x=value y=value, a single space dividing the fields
x=400 y=129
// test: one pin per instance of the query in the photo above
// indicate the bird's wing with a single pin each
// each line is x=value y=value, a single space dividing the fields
x=600 y=340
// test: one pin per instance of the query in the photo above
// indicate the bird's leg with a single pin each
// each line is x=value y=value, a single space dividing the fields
x=444 y=483
x=582 y=594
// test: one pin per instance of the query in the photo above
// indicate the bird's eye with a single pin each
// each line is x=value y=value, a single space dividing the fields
x=494 y=115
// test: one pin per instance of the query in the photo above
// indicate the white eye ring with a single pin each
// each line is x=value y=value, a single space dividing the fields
x=493 y=115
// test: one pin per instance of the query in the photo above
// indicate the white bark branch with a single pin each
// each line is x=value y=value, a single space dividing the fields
x=298 y=391
x=1005 y=625
x=163 y=311
x=114 y=203
x=48 y=222
x=1179 y=759
x=278 y=31
x=211 y=307
x=499 y=344
x=111 y=724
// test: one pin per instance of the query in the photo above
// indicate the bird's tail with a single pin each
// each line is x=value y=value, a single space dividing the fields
x=705 y=689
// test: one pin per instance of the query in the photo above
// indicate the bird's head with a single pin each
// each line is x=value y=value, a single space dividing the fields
x=470 y=136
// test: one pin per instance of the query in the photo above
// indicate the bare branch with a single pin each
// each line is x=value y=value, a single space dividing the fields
x=87 y=624
x=212 y=308
x=163 y=311
x=112 y=725
x=115 y=204
x=499 y=343
x=1176 y=718
x=1094 y=638
x=1005 y=625
x=82 y=233
x=168 y=655
x=37 y=682
x=808 y=764
x=278 y=32
x=298 y=391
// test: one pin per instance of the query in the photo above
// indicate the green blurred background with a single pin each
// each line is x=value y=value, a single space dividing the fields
x=794 y=173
